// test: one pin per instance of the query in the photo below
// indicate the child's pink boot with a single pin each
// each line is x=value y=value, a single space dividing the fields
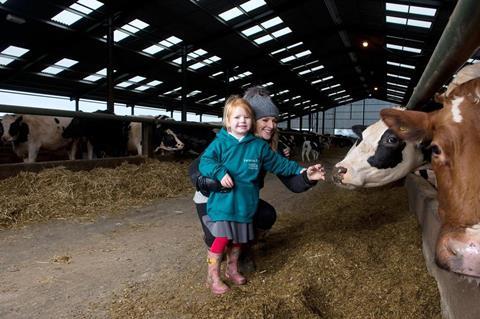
x=214 y=282
x=232 y=266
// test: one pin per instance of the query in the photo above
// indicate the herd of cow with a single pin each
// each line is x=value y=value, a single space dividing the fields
x=98 y=137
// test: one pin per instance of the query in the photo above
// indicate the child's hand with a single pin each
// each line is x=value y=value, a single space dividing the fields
x=227 y=181
x=316 y=172
x=286 y=152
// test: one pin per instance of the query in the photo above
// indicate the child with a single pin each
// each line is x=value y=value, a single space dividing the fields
x=235 y=158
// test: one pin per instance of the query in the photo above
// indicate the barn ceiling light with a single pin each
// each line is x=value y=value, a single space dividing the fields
x=365 y=44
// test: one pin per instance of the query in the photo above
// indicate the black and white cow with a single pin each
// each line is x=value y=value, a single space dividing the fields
x=29 y=133
x=378 y=158
x=104 y=137
x=164 y=137
x=311 y=146
x=195 y=137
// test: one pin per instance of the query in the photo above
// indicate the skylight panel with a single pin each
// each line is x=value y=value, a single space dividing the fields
x=423 y=11
x=288 y=58
x=303 y=53
x=317 y=68
x=263 y=39
x=272 y=22
x=92 y=4
x=396 y=20
x=193 y=93
x=403 y=48
x=66 y=63
x=137 y=79
x=419 y=23
x=197 y=53
x=396 y=7
x=3 y=1
x=139 y=24
x=406 y=66
x=338 y=92
x=397 y=84
x=398 y=76
x=6 y=60
x=196 y=66
x=69 y=16
x=173 y=91
x=395 y=91
x=230 y=14
x=66 y=17
x=395 y=96
x=143 y=88
x=170 y=41
x=153 y=49
x=93 y=78
x=15 y=51
x=281 y=32
x=252 y=5
x=119 y=35
x=250 y=31
x=124 y=84
x=329 y=87
x=218 y=73
x=154 y=83
x=278 y=51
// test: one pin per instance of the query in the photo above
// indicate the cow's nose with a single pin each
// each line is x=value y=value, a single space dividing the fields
x=337 y=174
x=180 y=145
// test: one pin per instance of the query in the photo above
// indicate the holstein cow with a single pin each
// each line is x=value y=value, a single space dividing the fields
x=379 y=157
x=454 y=136
x=104 y=137
x=29 y=133
x=164 y=138
x=311 y=146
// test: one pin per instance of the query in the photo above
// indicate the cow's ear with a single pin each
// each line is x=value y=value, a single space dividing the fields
x=407 y=125
x=358 y=129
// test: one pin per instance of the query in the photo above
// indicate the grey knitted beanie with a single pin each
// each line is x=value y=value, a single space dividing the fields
x=259 y=98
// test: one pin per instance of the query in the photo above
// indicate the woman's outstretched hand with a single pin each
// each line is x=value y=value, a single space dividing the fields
x=227 y=181
x=316 y=172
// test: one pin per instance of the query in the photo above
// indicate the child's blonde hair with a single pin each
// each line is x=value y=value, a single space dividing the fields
x=231 y=104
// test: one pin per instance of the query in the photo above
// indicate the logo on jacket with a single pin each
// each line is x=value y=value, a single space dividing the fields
x=252 y=163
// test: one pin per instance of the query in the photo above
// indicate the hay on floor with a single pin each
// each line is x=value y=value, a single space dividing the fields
x=60 y=193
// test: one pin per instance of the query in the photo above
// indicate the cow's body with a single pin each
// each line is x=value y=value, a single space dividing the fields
x=454 y=136
x=378 y=158
x=104 y=137
x=30 y=133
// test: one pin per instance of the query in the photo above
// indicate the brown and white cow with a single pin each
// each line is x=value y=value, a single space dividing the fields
x=453 y=133
x=29 y=133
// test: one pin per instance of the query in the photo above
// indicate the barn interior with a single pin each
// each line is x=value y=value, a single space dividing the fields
x=188 y=55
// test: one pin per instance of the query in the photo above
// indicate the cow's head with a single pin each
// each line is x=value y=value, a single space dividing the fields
x=378 y=158
x=14 y=129
x=453 y=133
x=166 y=139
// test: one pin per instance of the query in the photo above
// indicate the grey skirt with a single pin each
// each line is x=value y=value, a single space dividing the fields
x=239 y=233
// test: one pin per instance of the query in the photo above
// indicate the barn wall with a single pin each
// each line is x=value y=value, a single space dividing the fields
x=342 y=117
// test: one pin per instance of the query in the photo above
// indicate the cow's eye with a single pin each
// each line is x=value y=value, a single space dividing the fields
x=392 y=140
x=435 y=150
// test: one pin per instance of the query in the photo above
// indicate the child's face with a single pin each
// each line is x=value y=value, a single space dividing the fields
x=240 y=122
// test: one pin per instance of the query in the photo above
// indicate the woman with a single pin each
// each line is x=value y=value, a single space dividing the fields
x=266 y=113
